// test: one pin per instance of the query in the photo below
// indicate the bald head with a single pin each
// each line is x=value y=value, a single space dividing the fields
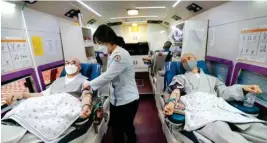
x=187 y=57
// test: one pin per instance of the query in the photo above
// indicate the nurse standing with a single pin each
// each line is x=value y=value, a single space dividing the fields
x=120 y=72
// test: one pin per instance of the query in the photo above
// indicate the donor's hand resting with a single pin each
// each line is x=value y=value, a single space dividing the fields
x=169 y=108
x=85 y=112
x=10 y=98
x=255 y=89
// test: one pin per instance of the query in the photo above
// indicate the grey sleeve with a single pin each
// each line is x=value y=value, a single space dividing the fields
x=178 y=82
x=230 y=93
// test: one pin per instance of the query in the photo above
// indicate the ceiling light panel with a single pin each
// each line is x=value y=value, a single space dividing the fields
x=89 y=8
x=176 y=3
x=151 y=7
x=132 y=12
x=148 y=16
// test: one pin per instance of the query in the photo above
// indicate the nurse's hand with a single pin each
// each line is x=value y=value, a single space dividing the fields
x=255 y=89
x=10 y=98
x=86 y=85
x=85 y=112
x=169 y=108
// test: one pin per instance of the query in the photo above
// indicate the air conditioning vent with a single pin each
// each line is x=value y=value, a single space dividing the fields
x=72 y=13
x=30 y=1
x=167 y=23
x=154 y=21
x=92 y=21
x=175 y=17
x=194 y=7
x=114 y=23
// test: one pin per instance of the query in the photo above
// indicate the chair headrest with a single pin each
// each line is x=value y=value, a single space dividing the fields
x=176 y=68
x=91 y=71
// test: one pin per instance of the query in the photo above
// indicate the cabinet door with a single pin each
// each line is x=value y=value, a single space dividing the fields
x=72 y=40
x=195 y=38
x=139 y=64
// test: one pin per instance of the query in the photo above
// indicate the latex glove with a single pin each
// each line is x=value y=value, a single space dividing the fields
x=255 y=89
x=10 y=98
x=85 y=112
x=169 y=108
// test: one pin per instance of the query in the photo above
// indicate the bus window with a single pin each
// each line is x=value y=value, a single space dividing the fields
x=18 y=85
x=50 y=75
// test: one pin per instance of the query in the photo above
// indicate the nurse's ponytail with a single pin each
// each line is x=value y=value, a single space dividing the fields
x=120 y=41
x=105 y=34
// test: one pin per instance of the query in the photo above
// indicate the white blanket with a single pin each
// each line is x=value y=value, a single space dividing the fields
x=203 y=108
x=47 y=117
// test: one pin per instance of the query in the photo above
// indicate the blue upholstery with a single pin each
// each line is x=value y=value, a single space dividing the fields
x=241 y=107
x=176 y=68
x=89 y=70
x=177 y=118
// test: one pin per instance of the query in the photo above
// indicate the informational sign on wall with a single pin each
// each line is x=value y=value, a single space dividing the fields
x=37 y=44
x=15 y=55
x=6 y=61
x=253 y=45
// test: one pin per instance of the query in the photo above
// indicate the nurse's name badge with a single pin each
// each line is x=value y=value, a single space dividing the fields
x=117 y=58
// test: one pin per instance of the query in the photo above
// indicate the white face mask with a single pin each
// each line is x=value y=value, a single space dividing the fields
x=71 y=69
x=105 y=49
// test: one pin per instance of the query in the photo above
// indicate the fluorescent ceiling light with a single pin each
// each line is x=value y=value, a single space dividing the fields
x=148 y=16
x=89 y=8
x=162 y=31
x=129 y=22
x=150 y=7
x=134 y=24
x=132 y=12
x=7 y=7
x=176 y=3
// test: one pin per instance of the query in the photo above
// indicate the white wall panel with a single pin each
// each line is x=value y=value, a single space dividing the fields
x=12 y=20
x=42 y=22
x=157 y=35
x=227 y=20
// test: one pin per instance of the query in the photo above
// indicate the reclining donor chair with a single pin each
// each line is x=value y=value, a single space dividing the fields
x=83 y=129
x=217 y=69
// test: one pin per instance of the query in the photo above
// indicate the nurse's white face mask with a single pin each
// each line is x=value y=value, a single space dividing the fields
x=71 y=69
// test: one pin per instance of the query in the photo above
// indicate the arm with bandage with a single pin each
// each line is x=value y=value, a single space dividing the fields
x=175 y=87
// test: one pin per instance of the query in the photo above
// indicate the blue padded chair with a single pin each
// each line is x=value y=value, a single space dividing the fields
x=176 y=68
x=89 y=70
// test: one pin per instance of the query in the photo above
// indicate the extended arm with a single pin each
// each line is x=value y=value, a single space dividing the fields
x=235 y=92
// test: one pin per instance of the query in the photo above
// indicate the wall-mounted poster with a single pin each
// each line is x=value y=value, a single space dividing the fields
x=15 y=54
x=19 y=52
x=37 y=44
x=6 y=61
x=253 y=45
x=262 y=48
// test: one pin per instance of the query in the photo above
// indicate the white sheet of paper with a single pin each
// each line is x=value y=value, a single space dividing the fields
x=252 y=46
x=262 y=48
x=242 y=46
x=53 y=47
x=20 y=54
x=6 y=61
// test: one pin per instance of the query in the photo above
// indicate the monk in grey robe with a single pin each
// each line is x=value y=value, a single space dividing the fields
x=72 y=83
x=195 y=80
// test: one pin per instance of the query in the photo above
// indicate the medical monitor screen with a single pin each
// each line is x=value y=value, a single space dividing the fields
x=137 y=48
x=51 y=75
